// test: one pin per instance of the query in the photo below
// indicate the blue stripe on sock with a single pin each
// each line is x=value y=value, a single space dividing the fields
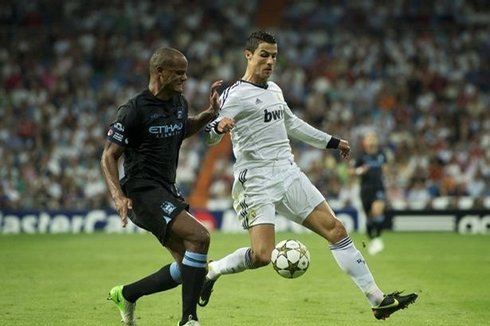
x=341 y=244
x=175 y=272
x=195 y=259
x=196 y=256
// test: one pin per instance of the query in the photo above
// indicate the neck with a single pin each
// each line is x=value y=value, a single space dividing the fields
x=254 y=79
x=159 y=91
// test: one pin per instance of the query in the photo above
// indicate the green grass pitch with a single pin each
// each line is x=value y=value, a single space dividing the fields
x=64 y=280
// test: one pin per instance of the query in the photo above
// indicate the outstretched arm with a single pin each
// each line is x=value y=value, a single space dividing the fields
x=196 y=123
x=304 y=132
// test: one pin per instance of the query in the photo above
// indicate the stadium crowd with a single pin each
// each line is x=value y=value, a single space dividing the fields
x=418 y=73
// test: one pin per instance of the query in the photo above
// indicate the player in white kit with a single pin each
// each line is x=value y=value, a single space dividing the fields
x=267 y=180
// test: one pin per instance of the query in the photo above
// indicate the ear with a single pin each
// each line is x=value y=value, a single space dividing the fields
x=248 y=54
x=160 y=69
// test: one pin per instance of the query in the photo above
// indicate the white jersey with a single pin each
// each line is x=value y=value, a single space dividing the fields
x=263 y=122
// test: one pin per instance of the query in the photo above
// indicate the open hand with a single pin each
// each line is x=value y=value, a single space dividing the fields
x=214 y=96
x=123 y=204
x=344 y=149
x=226 y=125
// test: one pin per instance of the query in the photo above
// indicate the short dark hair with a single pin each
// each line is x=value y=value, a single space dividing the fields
x=258 y=37
x=164 y=57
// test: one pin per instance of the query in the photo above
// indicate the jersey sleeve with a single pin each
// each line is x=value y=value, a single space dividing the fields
x=230 y=107
x=211 y=134
x=121 y=129
x=304 y=132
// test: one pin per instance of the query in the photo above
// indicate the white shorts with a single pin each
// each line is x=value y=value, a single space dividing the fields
x=259 y=193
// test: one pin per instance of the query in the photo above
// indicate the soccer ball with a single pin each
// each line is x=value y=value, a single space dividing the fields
x=290 y=258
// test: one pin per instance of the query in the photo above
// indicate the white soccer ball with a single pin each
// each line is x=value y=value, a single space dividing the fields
x=290 y=258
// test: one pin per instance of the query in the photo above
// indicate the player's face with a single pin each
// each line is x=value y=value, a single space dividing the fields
x=371 y=143
x=173 y=78
x=263 y=60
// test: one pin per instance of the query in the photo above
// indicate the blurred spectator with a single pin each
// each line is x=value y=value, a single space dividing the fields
x=418 y=72
x=220 y=191
x=3 y=198
x=418 y=192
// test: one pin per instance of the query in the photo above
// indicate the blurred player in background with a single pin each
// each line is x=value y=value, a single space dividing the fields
x=372 y=168
x=268 y=180
x=149 y=130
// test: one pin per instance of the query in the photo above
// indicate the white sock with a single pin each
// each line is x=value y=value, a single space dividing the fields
x=352 y=262
x=235 y=262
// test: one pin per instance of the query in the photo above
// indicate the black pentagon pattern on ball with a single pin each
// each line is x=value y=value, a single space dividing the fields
x=290 y=258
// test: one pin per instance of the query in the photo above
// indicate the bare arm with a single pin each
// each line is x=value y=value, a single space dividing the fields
x=110 y=171
x=196 y=123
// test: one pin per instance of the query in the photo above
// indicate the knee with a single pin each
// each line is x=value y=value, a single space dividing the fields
x=200 y=241
x=204 y=238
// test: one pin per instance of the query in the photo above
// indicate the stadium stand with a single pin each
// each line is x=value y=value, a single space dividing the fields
x=418 y=72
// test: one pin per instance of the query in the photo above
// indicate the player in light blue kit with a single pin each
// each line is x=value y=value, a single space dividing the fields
x=267 y=180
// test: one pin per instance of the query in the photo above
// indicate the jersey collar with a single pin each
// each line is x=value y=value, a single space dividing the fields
x=257 y=85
